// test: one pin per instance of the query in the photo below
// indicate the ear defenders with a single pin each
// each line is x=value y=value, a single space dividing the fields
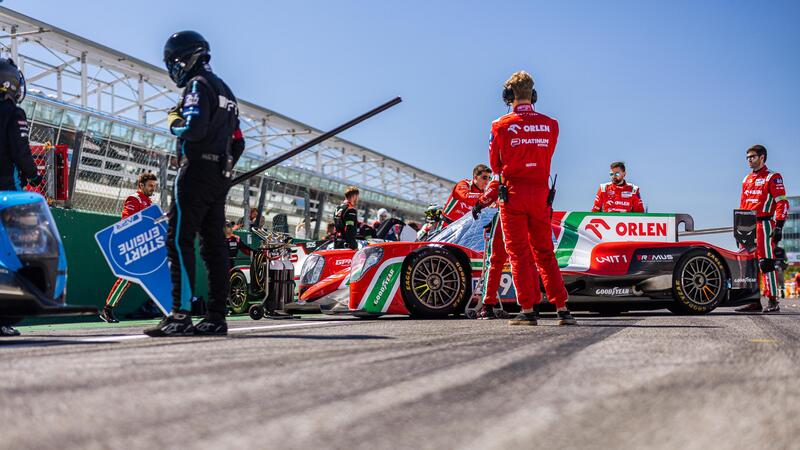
x=508 y=96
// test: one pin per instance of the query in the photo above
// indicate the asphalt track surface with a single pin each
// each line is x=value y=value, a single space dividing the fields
x=638 y=380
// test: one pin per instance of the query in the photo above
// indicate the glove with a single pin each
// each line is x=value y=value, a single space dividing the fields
x=173 y=116
x=476 y=211
x=777 y=235
x=36 y=180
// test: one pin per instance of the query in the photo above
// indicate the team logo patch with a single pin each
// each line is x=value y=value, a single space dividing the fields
x=760 y=181
x=514 y=128
x=779 y=180
x=191 y=99
x=627 y=194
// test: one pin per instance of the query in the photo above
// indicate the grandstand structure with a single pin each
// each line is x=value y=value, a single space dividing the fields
x=113 y=106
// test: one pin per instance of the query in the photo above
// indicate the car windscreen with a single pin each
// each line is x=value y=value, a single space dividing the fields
x=466 y=231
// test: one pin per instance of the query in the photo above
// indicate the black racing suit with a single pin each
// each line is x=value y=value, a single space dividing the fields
x=16 y=162
x=345 y=219
x=207 y=132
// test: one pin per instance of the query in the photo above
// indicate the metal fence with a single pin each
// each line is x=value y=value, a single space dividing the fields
x=107 y=155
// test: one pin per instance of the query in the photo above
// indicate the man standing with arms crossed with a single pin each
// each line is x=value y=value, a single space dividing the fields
x=521 y=147
x=146 y=184
x=206 y=123
x=763 y=191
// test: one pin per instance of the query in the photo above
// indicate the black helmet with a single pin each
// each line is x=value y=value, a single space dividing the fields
x=12 y=83
x=184 y=53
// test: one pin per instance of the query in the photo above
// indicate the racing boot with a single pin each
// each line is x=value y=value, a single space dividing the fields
x=565 y=318
x=772 y=307
x=177 y=323
x=749 y=308
x=486 y=312
x=8 y=330
x=211 y=326
x=525 y=319
x=107 y=315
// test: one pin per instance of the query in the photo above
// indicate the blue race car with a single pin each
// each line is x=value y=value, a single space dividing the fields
x=33 y=266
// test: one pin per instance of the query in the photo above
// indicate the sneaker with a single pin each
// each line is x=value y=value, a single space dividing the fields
x=211 y=326
x=486 y=312
x=8 y=330
x=565 y=318
x=107 y=315
x=528 y=319
x=750 y=307
x=177 y=323
x=772 y=307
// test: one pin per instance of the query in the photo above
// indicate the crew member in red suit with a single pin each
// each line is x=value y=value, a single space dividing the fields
x=763 y=191
x=618 y=195
x=140 y=200
x=465 y=194
x=521 y=147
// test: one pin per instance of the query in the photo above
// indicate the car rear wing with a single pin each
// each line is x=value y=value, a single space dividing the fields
x=743 y=229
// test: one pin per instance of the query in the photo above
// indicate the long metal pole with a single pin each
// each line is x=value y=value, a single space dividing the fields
x=323 y=137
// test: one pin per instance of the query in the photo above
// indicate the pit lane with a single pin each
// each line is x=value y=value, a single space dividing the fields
x=640 y=379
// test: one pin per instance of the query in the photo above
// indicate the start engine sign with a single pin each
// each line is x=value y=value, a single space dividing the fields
x=136 y=250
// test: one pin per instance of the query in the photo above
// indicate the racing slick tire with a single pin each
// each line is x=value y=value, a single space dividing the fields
x=237 y=295
x=699 y=283
x=434 y=283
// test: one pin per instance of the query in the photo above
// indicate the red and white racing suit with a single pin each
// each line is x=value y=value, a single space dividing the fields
x=621 y=198
x=464 y=196
x=133 y=204
x=764 y=192
x=521 y=147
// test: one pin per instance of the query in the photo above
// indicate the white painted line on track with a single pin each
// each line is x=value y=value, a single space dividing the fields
x=230 y=330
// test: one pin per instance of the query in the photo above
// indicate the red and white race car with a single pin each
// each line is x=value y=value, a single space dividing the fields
x=608 y=261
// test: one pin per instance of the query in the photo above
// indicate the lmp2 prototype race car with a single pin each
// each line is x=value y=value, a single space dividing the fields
x=613 y=262
x=33 y=266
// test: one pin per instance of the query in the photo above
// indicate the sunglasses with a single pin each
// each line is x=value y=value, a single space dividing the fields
x=615 y=174
x=751 y=157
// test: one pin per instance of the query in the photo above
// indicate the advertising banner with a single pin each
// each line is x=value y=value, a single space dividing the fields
x=136 y=250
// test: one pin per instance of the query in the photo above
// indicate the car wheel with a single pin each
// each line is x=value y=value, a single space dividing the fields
x=434 y=283
x=237 y=295
x=699 y=283
x=256 y=312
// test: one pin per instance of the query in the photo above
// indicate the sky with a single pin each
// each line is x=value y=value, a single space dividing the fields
x=678 y=90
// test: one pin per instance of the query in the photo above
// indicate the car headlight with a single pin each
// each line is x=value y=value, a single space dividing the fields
x=312 y=269
x=363 y=260
x=30 y=229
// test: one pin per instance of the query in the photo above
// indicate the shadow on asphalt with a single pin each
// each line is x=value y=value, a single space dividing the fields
x=584 y=323
x=43 y=342
x=318 y=337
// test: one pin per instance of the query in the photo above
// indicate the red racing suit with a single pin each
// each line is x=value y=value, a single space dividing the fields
x=764 y=192
x=521 y=147
x=618 y=198
x=133 y=204
x=464 y=196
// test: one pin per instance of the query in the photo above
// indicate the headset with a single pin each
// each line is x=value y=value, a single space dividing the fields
x=508 y=95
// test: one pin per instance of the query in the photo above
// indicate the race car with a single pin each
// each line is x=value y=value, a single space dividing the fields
x=327 y=269
x=618 y=261
x=33 y=266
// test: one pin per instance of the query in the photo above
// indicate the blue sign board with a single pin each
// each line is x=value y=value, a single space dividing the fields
x=136 y=250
